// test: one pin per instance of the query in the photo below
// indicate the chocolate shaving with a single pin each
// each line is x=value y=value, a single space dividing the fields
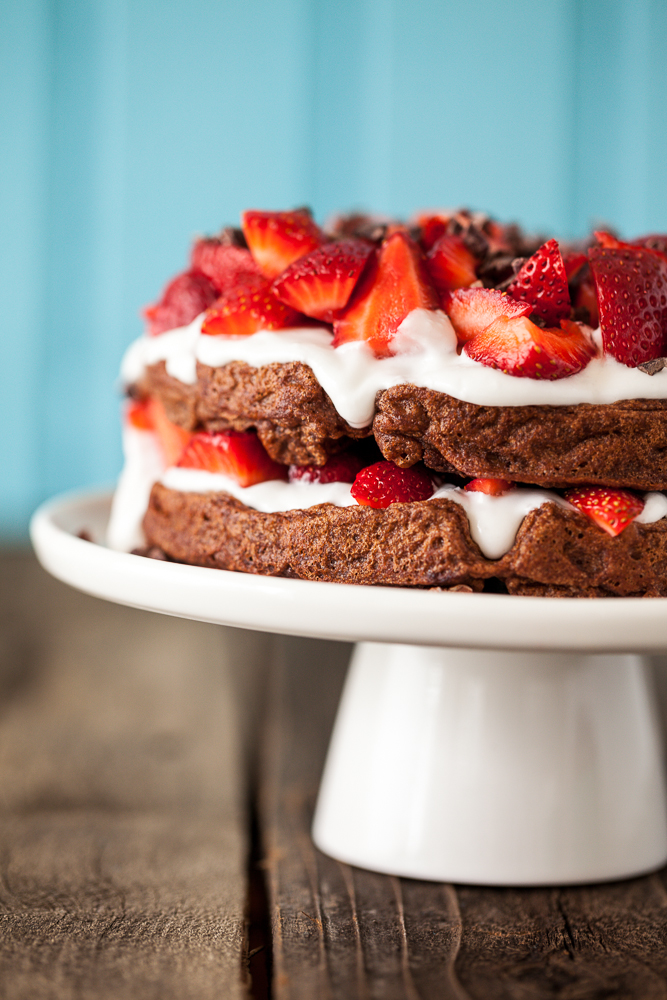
x=653 y=367
x=152 y=552
x=84 y=535
x=232 y=237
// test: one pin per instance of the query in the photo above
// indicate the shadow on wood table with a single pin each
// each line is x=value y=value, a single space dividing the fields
x=157 y=782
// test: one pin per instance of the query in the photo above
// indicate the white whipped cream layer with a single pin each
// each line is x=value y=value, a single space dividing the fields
x=494 y=521
x=351 y=374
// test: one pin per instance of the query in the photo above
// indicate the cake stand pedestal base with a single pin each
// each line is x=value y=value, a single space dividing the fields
x=505 y=768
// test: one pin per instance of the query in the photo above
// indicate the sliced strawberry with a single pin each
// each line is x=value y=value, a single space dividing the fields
x=450 y=264
x=383 y=483
x=246 y=309
x=471 y=310
x=224 y=265
x=276 y=239
x=432 y=228
x=654 y=241
x=542 y=281
x=492 y=487
x=519 y=347
x=631 y=284
x=573 y=263
x=608 y=240
x=587 y=298
x=240 y=455
x=173 y=439
x=611 y=509
x=138 y=415
x=184 y=298
x=340 y=468
x=394 y=283
x=322 y=282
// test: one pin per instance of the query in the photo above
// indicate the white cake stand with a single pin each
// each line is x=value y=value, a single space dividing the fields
x=481 y=738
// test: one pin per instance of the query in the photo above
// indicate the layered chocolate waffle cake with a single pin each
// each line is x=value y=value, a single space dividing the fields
x=444 y=403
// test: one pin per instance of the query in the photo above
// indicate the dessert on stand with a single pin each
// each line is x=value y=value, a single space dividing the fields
x=456 y=421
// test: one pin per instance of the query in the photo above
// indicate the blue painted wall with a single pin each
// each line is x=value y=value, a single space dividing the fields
x=126 y=126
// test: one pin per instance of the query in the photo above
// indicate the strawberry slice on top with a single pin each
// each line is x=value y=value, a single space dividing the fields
x=240 y=455
x=247 y=309
x=185 y=297
x=321 y=283
x=223 y=264
x=471 y=310
x=450 y=264
x=519 y=347
x=276 y=239
x=542 y=281
x=611 y=509
x=631 y=285
x=394 y=283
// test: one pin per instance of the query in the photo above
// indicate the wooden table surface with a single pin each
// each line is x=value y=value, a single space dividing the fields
x=157 y=779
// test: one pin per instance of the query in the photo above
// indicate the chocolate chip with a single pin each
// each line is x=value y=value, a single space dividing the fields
x=654 y=366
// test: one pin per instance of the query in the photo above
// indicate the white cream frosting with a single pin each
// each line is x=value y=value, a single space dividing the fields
x=494 y=520
x=428 y=357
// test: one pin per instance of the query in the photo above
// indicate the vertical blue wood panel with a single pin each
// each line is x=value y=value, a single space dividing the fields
x=24 y=80
x=128 y=126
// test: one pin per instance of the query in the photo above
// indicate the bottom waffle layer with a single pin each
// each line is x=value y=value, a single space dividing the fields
x=557 y=552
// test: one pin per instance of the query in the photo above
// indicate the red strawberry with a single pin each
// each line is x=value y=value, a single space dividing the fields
x=542 y=281
x=492 y=487
x=573 y=263
x=383 y=483
x=246 y=309
x=322 y=282
x=607 y=240
x=339 y=469
x=587 y=298
x=237 y=454
x=471 y=310
x=223 y=264
x=394 y=283
x=173 y=439
x=432 y=228
x=184 y=298
x=611 y=509
x=276 y=239
x=655 y=241
x=519 y=347
x=631 y=284
x=450 y=264
x=138 y=415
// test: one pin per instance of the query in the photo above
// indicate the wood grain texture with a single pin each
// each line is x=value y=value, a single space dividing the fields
x=340 y=932
x=122 y=813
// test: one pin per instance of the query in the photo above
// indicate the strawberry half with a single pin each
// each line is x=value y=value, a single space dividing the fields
x=542 y=281
x=321 y=283
x=237 y=454
x=521 y=348
x=173 y=439
x=246 y=309
x=276 y=239
x=450 y=264
x=471 y=310
x=612 y=510
x=394 y=283
x=224 y=265
x=341 y=468
x=492 y=487
x=631 y=284
x=383 y=483
x=184 y=298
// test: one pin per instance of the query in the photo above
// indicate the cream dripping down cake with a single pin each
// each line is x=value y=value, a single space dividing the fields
x=446 y=403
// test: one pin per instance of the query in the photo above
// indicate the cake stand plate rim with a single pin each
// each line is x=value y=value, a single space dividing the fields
x=346 y=612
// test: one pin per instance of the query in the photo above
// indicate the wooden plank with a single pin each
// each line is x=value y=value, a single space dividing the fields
x=340 y=932
x=122 y=815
